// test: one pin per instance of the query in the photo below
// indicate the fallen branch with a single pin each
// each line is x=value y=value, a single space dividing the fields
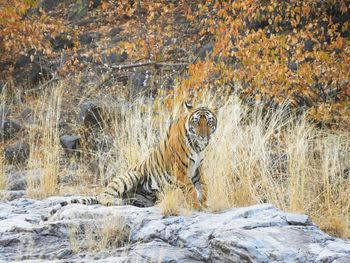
x=150 y=63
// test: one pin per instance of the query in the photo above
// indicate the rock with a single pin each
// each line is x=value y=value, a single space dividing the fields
x=70 y=142
x=309 y=45
x=78 y=9
x=95 y=3
x=85 y=38
x=114 y=31
x=32 y=13
x=206 y=50
x=90 y=114
x=139 y=79
x=17 y=152
x=48 y=5
x=138 y=82
x=64 y=126
x=259 y=233
x=16 y=181
x=11 y=195
x=4 y=111
x=27 y=115
x=293 y=66
x=117 y=58
x=62 y=41
x=8 y=129
x=117 y=39
x=31 y=68
x=22 y=61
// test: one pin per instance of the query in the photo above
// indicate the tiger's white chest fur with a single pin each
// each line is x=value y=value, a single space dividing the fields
x=197 y=159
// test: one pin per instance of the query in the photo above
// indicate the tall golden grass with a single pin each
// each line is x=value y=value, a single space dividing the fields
x=279 y=158
x=44 y=144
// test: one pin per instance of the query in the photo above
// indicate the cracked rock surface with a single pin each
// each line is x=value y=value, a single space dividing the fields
x=260 y=233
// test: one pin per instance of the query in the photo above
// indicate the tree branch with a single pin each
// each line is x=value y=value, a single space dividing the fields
x=150 y=63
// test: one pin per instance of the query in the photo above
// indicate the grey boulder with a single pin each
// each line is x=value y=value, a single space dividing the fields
x=260 y=233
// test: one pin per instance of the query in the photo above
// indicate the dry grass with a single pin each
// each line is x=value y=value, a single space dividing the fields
x=264 y=156
x=3 y=177
x=110 y=232
x=45 y=145
x=172 y=201
x=277 y=158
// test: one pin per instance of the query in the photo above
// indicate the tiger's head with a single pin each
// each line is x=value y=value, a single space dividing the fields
x=201 y=123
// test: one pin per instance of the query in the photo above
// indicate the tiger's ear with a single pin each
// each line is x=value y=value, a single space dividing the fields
x=187 y=106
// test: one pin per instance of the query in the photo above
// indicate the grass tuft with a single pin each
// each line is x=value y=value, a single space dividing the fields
x=172 y=202
x=108 y=233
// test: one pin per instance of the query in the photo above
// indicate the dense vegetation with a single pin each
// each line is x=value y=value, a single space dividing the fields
x=276 y=51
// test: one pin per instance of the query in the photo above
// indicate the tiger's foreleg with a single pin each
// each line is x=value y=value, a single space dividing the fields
x=188 y=189
x=119 y=187
x=202 y=188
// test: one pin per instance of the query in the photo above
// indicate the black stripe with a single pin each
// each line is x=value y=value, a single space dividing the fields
x=179 y=157
x=129 y=180
x=125 y=186
x=108 y=193
x=190 y=141
x=154 y=179
x=195 y=179
x=114 y=188
x=134 y=178
x=166 y=176
x=161 y=156
x=184 y=150
x=149 y=183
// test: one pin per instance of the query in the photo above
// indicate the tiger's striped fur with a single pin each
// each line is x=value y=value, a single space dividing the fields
x=176 y=160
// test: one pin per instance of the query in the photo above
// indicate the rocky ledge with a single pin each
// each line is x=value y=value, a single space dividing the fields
x=78 y=233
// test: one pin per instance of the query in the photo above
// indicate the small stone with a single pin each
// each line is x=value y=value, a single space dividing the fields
x=16 y=181
x=293 y=66
x=48 y=5
x=64 y=253
x=11 y=195
x=299 y=220
x=78 y=10
x=62 y=41
x=4 y=111
x=90 y=114
x=139 y=79
x=117 y=39
x=95 y=3
x=17 y=153
x=8 y=129
x=22 y=61
x=309 y=45
x=114 y=31
x=70 y=142
x=27 y=115
x=205 y=50
x=85 y=38
x=30 y=68
x=117 y=58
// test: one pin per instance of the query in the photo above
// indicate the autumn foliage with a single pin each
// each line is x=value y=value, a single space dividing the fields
x=291 y=50
x=273 y=51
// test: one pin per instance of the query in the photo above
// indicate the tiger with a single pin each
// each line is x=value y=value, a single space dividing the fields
x=176 y=160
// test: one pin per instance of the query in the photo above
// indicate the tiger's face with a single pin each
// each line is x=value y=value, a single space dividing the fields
x=202 y=124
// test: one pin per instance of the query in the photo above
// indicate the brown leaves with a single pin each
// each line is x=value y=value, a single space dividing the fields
x=291 y=50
